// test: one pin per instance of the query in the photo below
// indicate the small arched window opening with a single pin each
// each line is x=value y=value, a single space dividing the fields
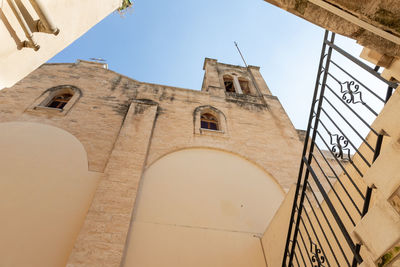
x=244 y=85
x=59 y=101
x=208 y=121
x=228 y=83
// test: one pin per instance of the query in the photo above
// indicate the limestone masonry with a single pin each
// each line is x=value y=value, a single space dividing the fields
x=126 y=126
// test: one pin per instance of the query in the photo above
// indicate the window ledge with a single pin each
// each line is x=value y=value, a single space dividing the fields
x=210 y=132
x=49 y=109
x=46 y=110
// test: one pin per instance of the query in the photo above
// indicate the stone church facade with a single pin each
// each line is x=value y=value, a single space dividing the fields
x=137 y=174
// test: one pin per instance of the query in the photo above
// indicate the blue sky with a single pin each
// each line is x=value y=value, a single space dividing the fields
x=165 y=42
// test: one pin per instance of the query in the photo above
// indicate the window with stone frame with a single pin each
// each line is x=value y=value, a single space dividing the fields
x=208 y=121
x=228 y=83
x=57 y=100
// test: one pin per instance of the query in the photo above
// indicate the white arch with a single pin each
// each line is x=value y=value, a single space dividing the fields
x=208 y=179
x=201 y=207
x=269 y=175
x=45 y=192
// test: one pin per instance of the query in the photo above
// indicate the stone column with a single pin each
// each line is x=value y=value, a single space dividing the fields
x=101 y=240
x=236 y=83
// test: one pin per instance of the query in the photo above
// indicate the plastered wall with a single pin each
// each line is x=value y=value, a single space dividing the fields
x=202 y=207
x=45 y=192
x=72 y=17
x=208 y=188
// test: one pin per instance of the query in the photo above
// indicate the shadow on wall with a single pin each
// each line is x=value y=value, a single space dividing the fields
x=45 y=192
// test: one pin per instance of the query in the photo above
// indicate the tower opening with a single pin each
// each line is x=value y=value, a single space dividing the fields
x=244 y=85
x=228 y=83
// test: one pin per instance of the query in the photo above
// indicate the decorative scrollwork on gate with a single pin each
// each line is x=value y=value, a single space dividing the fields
x=317 y=257
x=350 y=92
x=339 y=146
x=313 y=120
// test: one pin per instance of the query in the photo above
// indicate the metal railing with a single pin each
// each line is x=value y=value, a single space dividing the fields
x=341 y=144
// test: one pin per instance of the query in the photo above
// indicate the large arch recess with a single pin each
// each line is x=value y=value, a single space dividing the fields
x=45 y=192
x=210 y=200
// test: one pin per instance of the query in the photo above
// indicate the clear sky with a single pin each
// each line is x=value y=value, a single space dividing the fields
x=165 y=42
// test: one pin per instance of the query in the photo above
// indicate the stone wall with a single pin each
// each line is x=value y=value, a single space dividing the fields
x=382 y=14
x=126 y=125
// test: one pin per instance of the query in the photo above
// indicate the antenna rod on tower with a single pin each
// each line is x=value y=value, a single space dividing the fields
x=240 y=53
x=251 y=74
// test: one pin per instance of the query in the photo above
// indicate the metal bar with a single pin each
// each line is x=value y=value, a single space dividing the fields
x=370 y=109
x=309 y=237
x=359 y=63
x=343 y=134
x=344 y=170
x=349 y=124
x=304 y=151
x=305 y=247
x=316 y=237
x=350 y=161
x=326 y=69
x=339 y=180
x=336 y=141
x=240 y=53
x=251 y=75
x=352 y=102
x=295 y=255
x=330 y=228
x=355 y=113
x=389 y=93
x=333 y=212
x=301 y=253
x=351 y=76
x=320 y=226
x=333 y=189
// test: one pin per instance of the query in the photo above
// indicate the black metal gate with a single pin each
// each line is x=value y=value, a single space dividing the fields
x=340 y=146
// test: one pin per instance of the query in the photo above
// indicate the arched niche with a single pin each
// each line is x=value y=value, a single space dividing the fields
x=45 y=192
x=201 y=207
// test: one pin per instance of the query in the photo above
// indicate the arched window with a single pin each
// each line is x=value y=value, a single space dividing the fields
x=59 y=101
x=208 y=121
x=244 y=85
x=228 y=83
x=56 y=100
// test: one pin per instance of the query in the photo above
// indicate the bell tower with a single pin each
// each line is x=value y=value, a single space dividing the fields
x=233 y=79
